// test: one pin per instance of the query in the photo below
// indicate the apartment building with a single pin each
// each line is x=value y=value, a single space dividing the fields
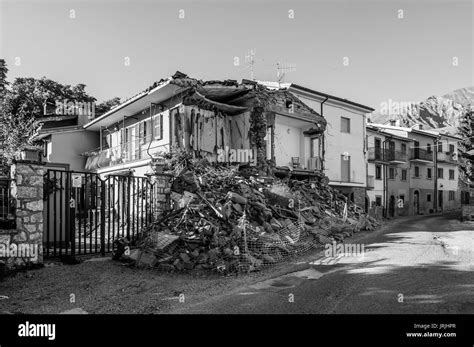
x=342 y=146
x=431 y=170
x=388 y=170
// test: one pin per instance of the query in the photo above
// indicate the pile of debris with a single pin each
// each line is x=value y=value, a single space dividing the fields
x=226 y=220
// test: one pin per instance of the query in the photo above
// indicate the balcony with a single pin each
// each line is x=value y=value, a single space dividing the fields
x=314 y=163
x=396 y=157
x=421 y=155
x=370 y=182
x=377 y=154
x=124 y=153
x=448 y=157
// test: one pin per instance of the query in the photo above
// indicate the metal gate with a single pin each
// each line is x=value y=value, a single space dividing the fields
x=84 y=214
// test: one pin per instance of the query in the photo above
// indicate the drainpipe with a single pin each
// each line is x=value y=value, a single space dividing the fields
x=323 y=151
x=435 y=198
x=385 y=179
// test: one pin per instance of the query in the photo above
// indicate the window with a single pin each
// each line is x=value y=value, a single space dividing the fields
x=378 y=172
x=345 y=125
x=345 y=168
x=428 y=172
x=404 y=174
x=451 y=174
x=452 y=195
x=378 y=200
x=428 y=147
x=404 y=148
x=428 y=198
x=158 y=127
x=440 y=172
x=440 y=146
x=144 y=131
x=417 y=171
x=451 y=148
x=391 y=173
x=315 y=142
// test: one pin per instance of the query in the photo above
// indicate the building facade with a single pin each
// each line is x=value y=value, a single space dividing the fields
x=342 y=146
x=428 y=177
x=388 y=171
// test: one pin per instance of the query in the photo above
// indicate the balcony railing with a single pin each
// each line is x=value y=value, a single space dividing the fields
x=421 y=154
x=126 y=152
x=314 y=163
x=447 y=157
x=376 y=153
x=398 y=156
x=370 y=182
x=379 y=154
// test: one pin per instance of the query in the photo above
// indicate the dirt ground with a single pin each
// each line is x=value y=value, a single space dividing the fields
x=100 y=285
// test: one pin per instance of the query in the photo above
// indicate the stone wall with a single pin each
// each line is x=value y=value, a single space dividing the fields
x=23 y=246
x=162 y=191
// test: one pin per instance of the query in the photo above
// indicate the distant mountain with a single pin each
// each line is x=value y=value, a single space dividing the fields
x=434 y=112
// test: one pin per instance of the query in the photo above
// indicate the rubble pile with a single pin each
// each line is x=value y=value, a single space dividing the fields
x=226 y=220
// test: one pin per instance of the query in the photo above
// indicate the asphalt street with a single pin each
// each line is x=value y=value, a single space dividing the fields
x=415 y=265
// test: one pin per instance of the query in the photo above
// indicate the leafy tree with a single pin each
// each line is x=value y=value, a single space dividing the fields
x=107 y=105
x=23 y=106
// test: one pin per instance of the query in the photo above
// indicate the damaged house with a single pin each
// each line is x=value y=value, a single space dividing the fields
x=218 y=120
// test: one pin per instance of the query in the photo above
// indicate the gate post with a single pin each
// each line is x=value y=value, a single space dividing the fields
x=102 y=216
x=72 y=214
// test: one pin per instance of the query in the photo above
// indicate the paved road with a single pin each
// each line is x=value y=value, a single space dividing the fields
x=415 y=265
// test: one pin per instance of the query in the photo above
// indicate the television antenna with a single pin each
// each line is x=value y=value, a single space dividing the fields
x=282 y=69
x=250 y=60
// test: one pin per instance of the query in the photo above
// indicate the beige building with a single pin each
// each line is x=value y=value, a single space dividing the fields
x=342 y=146
x=432 y=171
x=388 y=171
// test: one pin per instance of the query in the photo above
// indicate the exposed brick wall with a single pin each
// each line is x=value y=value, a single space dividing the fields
x=27 y=190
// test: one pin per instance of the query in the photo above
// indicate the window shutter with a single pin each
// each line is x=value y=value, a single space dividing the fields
x=161 y=126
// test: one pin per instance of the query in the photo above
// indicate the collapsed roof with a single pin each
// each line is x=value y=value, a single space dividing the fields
x=229 y=97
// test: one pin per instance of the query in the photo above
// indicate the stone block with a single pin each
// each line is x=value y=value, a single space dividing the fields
x=20 y=237
x=5 y=239
x=35 y=205
x=25 y=192
x=24 y=169
x=35 y=180
x=35 y=218
x=35 y=236
x=32 y=228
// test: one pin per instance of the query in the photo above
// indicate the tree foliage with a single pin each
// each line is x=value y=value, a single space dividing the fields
x=23 y=105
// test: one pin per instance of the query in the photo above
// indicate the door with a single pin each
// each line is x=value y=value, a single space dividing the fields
x=416 y=202
x=378 y=146
x=440 y=200
x=417 y=149
x=345 y=168
x=391 y=150
x=391 y=206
